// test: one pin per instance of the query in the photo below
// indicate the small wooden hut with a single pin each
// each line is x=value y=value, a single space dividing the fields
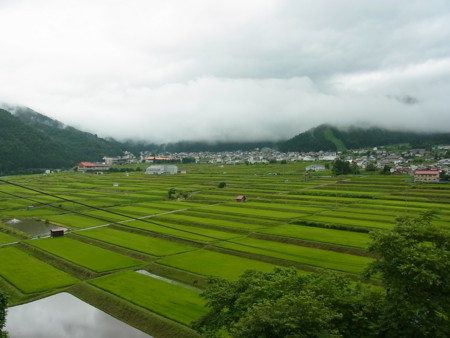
x=57 y=232
x=241 y=198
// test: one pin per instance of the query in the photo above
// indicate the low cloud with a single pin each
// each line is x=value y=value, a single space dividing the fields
x=228 y=70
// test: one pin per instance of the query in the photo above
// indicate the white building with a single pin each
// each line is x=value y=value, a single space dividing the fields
x=161 y=170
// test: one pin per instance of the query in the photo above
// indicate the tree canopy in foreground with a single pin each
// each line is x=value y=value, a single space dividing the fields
x=3 y=308
x=413 y=263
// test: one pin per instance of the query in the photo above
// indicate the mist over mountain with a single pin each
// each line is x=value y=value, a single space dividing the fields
x=328 y=137
x=31 y=142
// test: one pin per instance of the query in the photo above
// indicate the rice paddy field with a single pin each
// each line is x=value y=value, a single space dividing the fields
x=117 y=224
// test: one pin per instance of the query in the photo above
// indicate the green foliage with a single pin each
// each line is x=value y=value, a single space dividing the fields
x=371 y=167
x=414 y=262
x=386 y=170
x=3 y=310
x=174 y=194
x=30 y=142
x=329 y=135
x=444 y=176
x=283 y=303
x=188 y=160
x=326 y=137
x=340 y=167
x=222 y=185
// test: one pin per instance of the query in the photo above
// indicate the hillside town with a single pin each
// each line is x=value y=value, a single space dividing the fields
x=395 y=161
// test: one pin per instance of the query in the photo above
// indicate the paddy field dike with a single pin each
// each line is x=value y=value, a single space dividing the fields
x=143 y=258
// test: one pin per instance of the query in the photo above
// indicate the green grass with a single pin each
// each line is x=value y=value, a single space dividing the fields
x=296 y=253
x=340 y=237
x=189 y=232
x=349 y=222
x=258 y=213
x=182 y=218
x=328 y=134
x=29 y=274
x=5 y=238
x=169 y=300
x=205 y=262
x=75 y=221
x=145 y=244
x=88 y=256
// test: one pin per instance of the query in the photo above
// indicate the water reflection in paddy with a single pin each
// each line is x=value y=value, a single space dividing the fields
x=65 y=316
x=31 y=226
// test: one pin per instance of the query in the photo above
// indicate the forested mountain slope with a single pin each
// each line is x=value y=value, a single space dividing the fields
x=327 y=137
x=29 y=140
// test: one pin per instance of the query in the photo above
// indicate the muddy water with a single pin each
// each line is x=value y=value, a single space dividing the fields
x=65 y=316
x=31 y=226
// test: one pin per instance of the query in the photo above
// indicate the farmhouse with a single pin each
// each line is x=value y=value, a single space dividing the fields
x=241 y=198
x=161 y=170
x=92 y=167
x=426 y=175
x=57 y=232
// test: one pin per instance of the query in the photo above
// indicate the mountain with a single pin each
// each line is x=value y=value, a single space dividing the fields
x=192 y=146
x=31 y=141
x=326 y=137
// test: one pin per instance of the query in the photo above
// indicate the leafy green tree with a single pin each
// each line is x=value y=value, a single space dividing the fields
x=414 y=263
x=386 y=170
x=188 y=160
x=443 y=175
x=3 y=308
x=354 y=169
x=371 y=167
x=172 y=193
x=341 y=168
x=282 y=303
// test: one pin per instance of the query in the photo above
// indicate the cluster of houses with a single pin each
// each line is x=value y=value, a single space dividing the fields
x=399 y=162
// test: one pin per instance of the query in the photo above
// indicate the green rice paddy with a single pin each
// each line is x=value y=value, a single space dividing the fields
x=145 y=244
x=169 y=300
x=205 y=262
x=312 y=224
x=88 y=256
x=29 y=274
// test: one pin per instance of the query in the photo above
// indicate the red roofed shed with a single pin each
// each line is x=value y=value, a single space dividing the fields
x=241 y=198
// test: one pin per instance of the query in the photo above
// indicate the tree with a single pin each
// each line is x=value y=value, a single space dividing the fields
x=172 y=193
x=340 y=167
x=386 y=170
x=3 y=308
x=222 y=185
x=371 y=166
x=283 y=303
x=188 y=160
x=414 y=263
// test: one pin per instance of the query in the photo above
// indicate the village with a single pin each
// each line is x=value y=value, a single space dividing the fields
x=426 y=165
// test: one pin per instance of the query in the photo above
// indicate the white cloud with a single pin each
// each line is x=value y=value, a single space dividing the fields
x=266 y=69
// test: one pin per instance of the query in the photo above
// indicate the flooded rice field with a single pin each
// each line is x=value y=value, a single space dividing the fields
x=31 y=226
x=63 y=315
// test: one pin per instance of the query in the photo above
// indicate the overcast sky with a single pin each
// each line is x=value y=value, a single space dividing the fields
x=238 y=70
